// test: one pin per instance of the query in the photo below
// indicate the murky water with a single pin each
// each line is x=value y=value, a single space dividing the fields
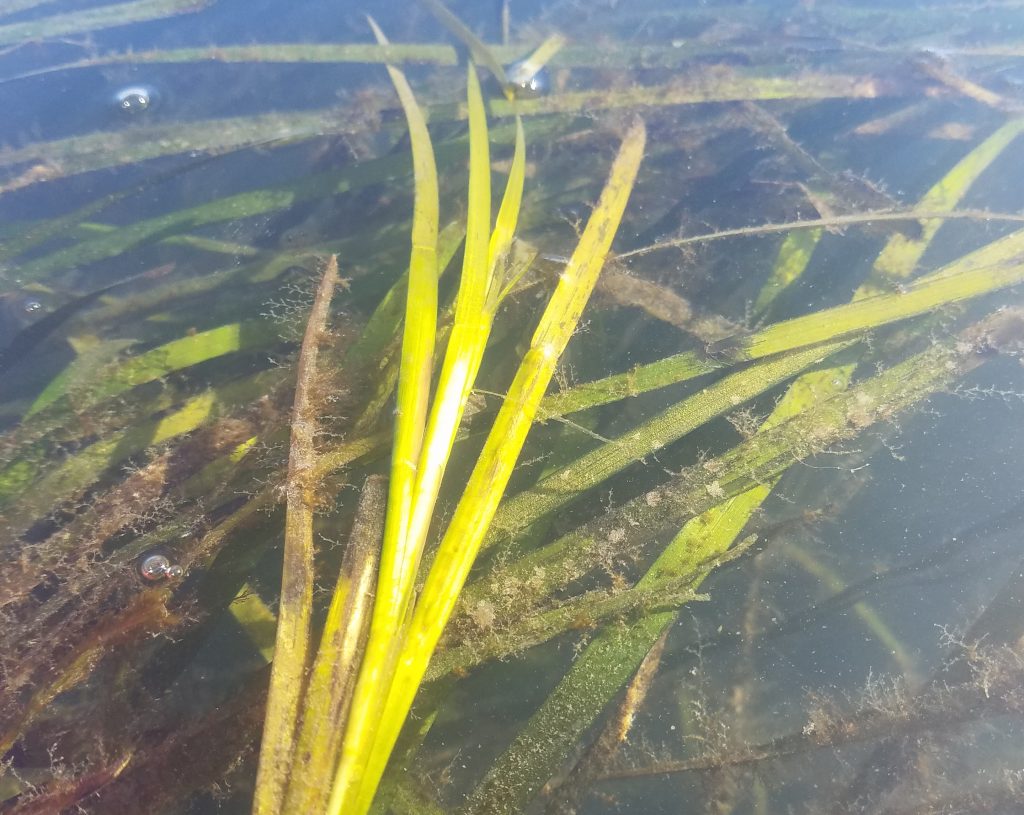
x=761 y=554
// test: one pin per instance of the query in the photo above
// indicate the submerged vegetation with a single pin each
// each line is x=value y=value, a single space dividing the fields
x=310 y=453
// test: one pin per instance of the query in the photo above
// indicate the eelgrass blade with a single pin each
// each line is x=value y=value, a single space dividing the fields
x=380 y=342
x=901 y=254
x=579 y=698
x=25 y=497
x=385 y=323
x=898 y=260
x=357 y=780
x=410 y=523
x=508 y=218
x=158 y=362
x=14 y=6
x=791 y=262
x=568 y=482
x=987 y=269
x=474 y=312
x=292 y=645
x=391 y=606
x=470 y=330
x=269 y=53
x=698 y=90
x=333 y=675
x=417 y=350
x=231 y=207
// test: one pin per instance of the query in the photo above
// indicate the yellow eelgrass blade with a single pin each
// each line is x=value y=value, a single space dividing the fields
x=417 y=348
x=291 y=650
x=508 y=218
x=545 y=51
x=390 y=603
x=901 y=254
x=470 y=329
x=357 y=779
x=474 y=315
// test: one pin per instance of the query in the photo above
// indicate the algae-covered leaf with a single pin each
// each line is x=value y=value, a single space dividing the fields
x=292 y=648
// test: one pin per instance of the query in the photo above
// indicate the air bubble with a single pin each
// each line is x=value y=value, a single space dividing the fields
x=156 y=566
x=528 y=80
x=136 y=99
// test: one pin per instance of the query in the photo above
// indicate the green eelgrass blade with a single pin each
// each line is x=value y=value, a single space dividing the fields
x=358 y=777
x=9 y=7
x=567 y=483
x=89 y=380
x=897 y=260
x=160 y=361
x=901 y=254
x=292 y=644
x=232 y=207
x=386 y=321
x=986 y=269
x=599 y=673
x=792 y=261
x=991 y=267
x=279 y=53
x=25 y=496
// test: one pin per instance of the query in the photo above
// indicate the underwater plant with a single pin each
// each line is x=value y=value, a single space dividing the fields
x=324 y=491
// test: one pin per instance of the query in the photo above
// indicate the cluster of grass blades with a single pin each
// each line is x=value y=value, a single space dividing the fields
x=297 y=771
x=207 y=438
